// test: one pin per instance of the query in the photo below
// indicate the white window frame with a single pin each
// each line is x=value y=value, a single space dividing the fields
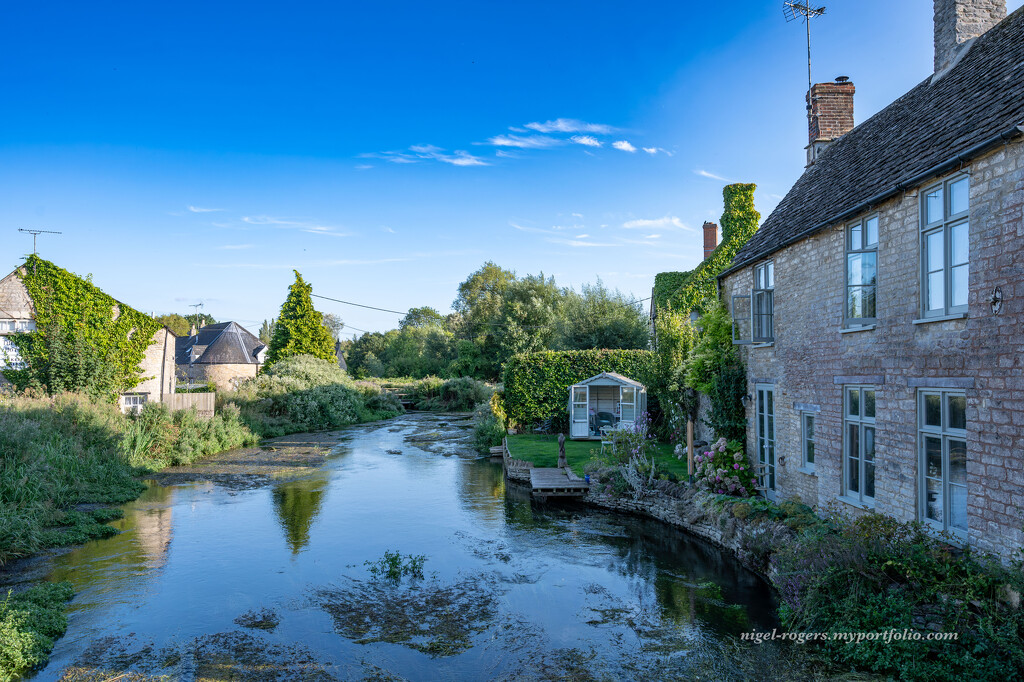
x=946 y=434
x=944 y=228
x=762 y=303
x=132 y=403
x=864 y=423
x=860 y=245
x=808 y=437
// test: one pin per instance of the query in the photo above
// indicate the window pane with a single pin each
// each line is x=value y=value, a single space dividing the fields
x=628 y=394
x=933 y=499
x=759 y=277
x=770 y=275
x=933 y=457
x=936 y=251
x=854 y=302
x=958 y=244
x=853 y=403
x=852 y=460
x=771 y=428
x=579 y=395
x=959 y=283
x=869 y=444
x=957 y=462
x=771 y=402
x=856 y=238
x=936 y=291
x=810 y=452
x=958 y=507
x=869 y=480
x=933 y=206
x=869 y=403
x=932 y=409
x=809 y=428
x=869 y=301
x=957 y=406
x=871 y=231
x=628 y=412
x=855 y=268
x=958 y=196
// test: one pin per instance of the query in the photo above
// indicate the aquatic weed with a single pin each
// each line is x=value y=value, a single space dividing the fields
x=393 y=567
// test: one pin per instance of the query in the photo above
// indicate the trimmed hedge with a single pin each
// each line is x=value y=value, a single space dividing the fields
x=537 y=384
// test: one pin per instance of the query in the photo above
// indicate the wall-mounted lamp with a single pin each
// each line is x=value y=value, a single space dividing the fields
x=996 y=301
x=745 y=400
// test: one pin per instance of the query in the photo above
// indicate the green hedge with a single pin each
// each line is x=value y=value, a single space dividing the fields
x=537 y=384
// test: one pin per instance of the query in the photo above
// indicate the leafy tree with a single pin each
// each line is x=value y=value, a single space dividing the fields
x=334 y=325
x=422 y=317
x=175 y=322
x=199 y=320
x=525 y=322
x=267 y=331
x=300 y=328
x=599 y=318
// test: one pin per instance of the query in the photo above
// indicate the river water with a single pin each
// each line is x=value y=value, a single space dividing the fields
x=216 y=581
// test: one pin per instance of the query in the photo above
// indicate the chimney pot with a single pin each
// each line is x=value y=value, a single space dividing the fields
x=960 y=21
x=842 y=79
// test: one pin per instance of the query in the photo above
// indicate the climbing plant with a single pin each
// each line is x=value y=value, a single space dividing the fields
x=299 y=329
x=84 y=339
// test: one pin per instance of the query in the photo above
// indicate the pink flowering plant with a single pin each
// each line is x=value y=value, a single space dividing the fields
x=722 y=468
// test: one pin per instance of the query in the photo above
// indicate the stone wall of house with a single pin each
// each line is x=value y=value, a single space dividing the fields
x=158 y=367
x=14 y=299
x=226 y=377
x=813 y=357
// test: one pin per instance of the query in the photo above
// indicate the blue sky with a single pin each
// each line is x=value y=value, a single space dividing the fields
x=200 y=151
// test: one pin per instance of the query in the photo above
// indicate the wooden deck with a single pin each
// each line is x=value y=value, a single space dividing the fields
x=551 y=482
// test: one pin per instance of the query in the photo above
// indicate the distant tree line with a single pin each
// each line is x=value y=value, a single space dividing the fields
x=496 y=315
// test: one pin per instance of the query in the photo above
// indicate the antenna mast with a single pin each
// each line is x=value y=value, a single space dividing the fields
x=36 y=233
x=794 y=9
x=195 y=312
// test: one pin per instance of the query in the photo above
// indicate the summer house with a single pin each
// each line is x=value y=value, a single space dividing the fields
x=602 y=402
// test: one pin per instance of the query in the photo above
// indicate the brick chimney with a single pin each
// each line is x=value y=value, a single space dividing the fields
x=710 y=238
x=831 y=114
x=958 y=22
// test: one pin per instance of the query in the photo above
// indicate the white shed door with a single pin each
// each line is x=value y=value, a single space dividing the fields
x=580 y=427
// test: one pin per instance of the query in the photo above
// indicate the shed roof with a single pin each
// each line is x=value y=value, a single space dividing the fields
x=226 y=343
x=906 y=144
x=609 y=379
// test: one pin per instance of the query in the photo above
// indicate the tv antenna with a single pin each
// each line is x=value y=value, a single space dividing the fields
x=797 y=9
x=195 y=313
x=36 y=233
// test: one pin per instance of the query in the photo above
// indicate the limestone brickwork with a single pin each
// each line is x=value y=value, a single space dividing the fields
x=813 y=356
x=957 y=21
x=225 y=376
x=158 y=367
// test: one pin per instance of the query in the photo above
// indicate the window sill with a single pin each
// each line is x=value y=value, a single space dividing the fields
x=767 y=344
x=807 y=470
x=942 y=318
x=949 y=537
x=859 y=328
x=856 y=503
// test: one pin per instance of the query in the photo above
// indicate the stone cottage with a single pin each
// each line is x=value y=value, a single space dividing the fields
x=224 y=353
x=17 y=315
x=879 y=307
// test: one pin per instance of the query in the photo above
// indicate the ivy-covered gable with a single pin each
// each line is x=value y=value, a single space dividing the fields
x=77 y=312
x=697 y=289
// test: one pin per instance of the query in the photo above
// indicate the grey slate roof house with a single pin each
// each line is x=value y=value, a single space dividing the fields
x=223 y=353
x=879 y=307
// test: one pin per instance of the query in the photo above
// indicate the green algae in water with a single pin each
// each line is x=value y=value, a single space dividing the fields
x=264 y=619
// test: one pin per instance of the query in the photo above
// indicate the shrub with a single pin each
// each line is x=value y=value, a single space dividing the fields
x=488 y=429
x=537 y=384
x=723 y=469
x=29 y=623
x=464 y=394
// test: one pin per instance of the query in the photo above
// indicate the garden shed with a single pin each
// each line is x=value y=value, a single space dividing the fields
x=602 y=402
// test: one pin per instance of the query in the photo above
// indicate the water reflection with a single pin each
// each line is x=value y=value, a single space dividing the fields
x=297 y=504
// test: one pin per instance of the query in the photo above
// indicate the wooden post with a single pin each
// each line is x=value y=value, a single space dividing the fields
x=689 y=448
x=562 y=463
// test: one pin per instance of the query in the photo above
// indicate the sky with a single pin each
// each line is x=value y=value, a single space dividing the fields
x=198 y=152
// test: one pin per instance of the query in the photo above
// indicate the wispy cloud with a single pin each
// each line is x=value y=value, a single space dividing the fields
x=235 y=247
x=527 y=228
x=655 y=223
x=428 y=152
x=294 y=224
x=586 y=140
x=385 y=228
x=525 y=141
x=578 y=243
x=571 y=125
x=364 y=166
x=624 y=145
x=200 y=209
x=707 y=174
x=313 y=264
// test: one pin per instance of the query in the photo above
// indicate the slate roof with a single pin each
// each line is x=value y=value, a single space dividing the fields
x=226 y=343
x=979 y=98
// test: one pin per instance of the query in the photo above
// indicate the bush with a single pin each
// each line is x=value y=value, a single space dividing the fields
x=29 y=623
x=464 y=394
x=537 y=384
x=488 y=429
x=724 y=469
x=155 y=438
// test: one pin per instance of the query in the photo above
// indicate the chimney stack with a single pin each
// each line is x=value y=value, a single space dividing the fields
x=831 y=115
x=710 y=238
x=961 y=21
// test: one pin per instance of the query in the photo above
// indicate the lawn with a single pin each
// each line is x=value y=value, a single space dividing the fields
x=542 y=450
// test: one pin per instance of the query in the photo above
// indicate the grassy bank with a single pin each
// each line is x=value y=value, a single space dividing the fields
x=542 y=451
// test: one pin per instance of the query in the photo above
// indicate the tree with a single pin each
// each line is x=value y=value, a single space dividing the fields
x=178 y=325
x=267 y=331
x=599 y=318
x=300 y=327
x=422 y=317
x=334 y=325
x=199 y=319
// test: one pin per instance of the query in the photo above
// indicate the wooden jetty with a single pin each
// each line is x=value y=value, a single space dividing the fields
x=544 y=482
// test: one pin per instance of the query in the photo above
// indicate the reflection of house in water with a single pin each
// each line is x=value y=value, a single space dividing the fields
x=297 y=504
x=153 y=521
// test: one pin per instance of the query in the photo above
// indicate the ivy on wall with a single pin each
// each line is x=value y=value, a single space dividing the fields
x=698 y=288
x=667 y=285
x=537 y=384
x=74 y=317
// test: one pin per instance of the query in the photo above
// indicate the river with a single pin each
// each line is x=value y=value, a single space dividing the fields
x=270 y=581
